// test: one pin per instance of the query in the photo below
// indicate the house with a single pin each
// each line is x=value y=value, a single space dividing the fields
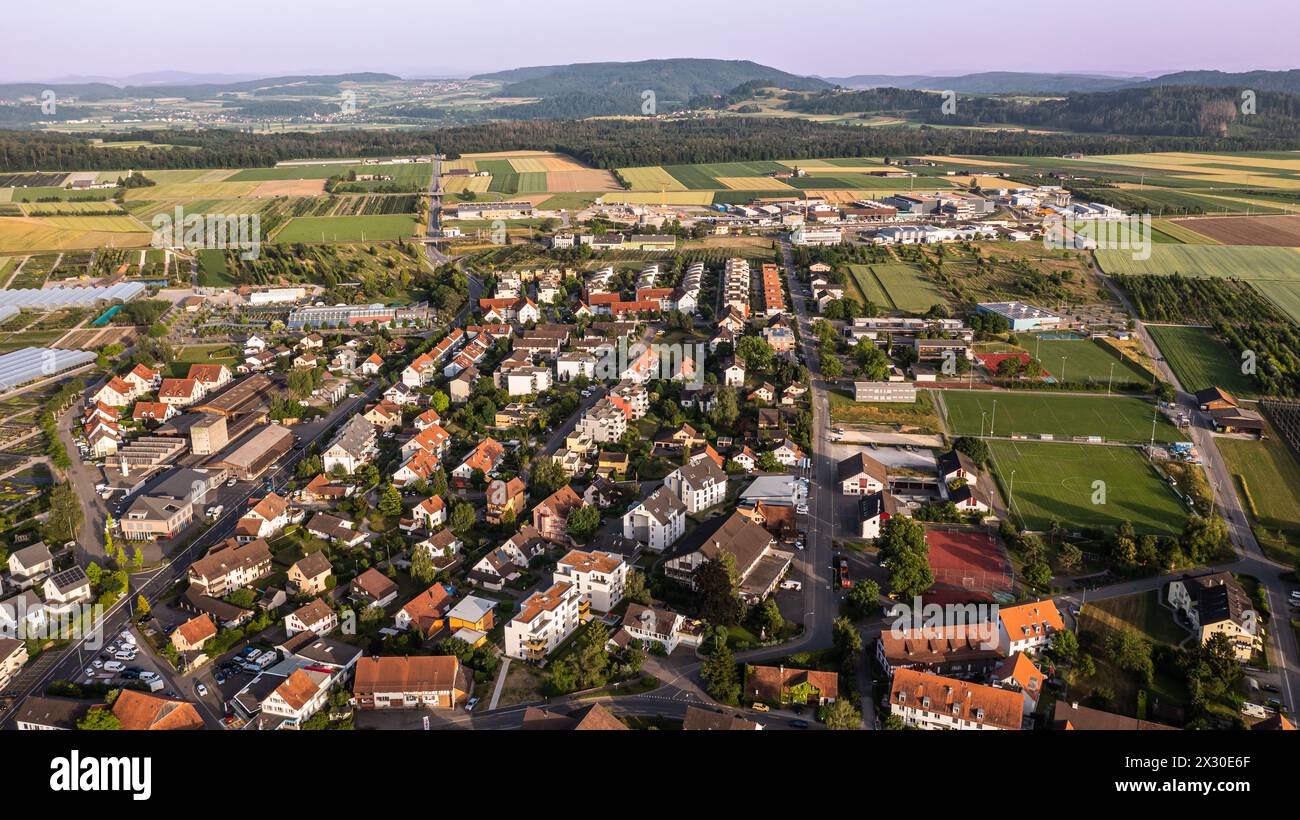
x=969 y=498
x=117 y=392
x=759 y=565
x=964 y=650
x=373 y=588
x=601 y=493
x=1215 y=398
x=425 y=420
x=1019 y=674
x=874 y=509
x=140 y=711
x=764 y=393
x=320 y=489
x=955 y=466
x=264 y=519
x=684 y=437
x=443 y=547
x=496 y=569
x=310 y=575
x=505 y=498
x=295 y=698
x=658 y=626
x=23 y=615
x=210 y=376
x=13 y=655
x=43 y=714
x=401 y=394
x=180 y=392
x=779 y=685
x=733 y=373
x=416 y=682
x=315 y=617
x=656 y=521
x=153 y=413
x=372 y=365
x=432 y=439
x=927 y=701
x=593 y=718
x=1215 y=602
x=544 y=621
x=193 y=634
x=229 y=566
x=600 y=577
x=67 y=588
x=707 y=720
x=1027 y=627
x=612 y=463
x=746 y=459
x=787 y=453
x=142 y=379
x=860 y=474
x=484 y=459
x=1073 y=717
x=700 y=485
x=385 y=415
x=354 y=445
x=426 y=612
x=472 y=613
x=431 y=513
x=335 y=529
x=27 y=566
x=551 y=515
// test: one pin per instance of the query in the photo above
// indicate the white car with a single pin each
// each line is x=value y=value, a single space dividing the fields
x=232 y=482
x=795 y=585
x=127 y=636
x=802 y=509
x=113 y=666
x=148 y=676
x=90 y=673
x=202 y=690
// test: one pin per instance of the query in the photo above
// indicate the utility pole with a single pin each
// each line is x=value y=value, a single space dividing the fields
x=1110 y=377
x=994 y=419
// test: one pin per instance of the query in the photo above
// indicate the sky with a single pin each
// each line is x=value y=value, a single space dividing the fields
x=832 y=38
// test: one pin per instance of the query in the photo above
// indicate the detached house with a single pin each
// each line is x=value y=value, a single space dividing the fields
x=860 y=474
x=1215 y=602
x=505 y=498
x=426 y=612
x=230 y=566
x=1028 y=627
x=29 y=565
x=373 y=588
x=264 y=519
x=780 y=686
x=700 y=485
x=310 y=575
x=431 y=513
x=315 y=617
x=657 y=521
x=551 y=515
x=417 y=682
x=483 y=458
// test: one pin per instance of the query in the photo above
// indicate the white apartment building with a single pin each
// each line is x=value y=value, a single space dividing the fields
x=600 y=577
x=545 y=619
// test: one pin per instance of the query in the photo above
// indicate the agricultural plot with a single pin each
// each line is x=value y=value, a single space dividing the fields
x=1282 y=231
x=347 y=228
x=694 y=177
x=24 y=234
x=1082 y=485
x=869 y=287
x=650 y=178
x=907 y=287
x=1268 y=478
x=1200 y=360
x=1114 y=418
x=582 y=179
x=193 y=190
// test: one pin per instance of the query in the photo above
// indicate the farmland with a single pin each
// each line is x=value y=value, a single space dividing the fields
x=897 y=286
x=347 y=228
x=1247 y=230
x=1115 y=418
x=1200 y=360
x=1060 y=482
x=1267 y=477
x=1239 y=262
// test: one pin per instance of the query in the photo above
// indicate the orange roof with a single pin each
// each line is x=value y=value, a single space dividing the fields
x=432 y=504
x=137 y=711
x=957 y=699
x=119 y=386
x=540 y=602
x=197 y=630
x=423 y=673
x=429 y=416
x=428 y=608
x=485 y=456
x=206 y=372
x=297 y=690
x=1027 y=620
x=594 y=561
x=271 y=507
x=144 y=373
x=178 y=388
x=1021 y=669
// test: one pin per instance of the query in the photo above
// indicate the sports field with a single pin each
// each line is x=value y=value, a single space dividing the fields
x=1200 y=360
x=972 y=561
x=1081 y=360
x=1114 y=418
x=1060 y=482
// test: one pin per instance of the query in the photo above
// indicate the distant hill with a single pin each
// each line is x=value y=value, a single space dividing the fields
x=593 y=89
x=992 y=82
x=1287 y=81
x=91 y=92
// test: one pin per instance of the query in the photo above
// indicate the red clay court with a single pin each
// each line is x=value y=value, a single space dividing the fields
x=973 y=561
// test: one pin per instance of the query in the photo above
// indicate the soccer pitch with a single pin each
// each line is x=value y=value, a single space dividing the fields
x=1115 y=418
x=1060 y=481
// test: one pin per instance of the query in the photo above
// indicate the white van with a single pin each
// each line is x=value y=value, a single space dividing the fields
x=113 y=666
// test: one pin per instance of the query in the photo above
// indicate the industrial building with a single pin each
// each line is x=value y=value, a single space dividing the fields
x=1020 y=315
x=249 y=459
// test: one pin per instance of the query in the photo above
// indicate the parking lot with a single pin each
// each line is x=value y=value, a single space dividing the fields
x=123 y=659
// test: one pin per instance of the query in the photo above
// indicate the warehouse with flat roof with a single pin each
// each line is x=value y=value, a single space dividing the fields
x=1021 y=316
x=252 y=457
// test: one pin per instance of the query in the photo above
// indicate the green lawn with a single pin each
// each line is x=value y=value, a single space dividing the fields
x=1081 y=360
x=1268 y=477
x=1140 y=611
x=1060 y=481
x=1200 y=360
x=347 y=228
x=1115 y=418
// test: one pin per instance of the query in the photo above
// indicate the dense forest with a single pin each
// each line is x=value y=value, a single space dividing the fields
x=1164 y=110
x=601 y=143
x=1243 y=318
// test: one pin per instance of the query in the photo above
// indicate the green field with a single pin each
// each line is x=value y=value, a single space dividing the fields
x=1115 y=418
x=1059 y=482
x=694 y=177
x=347 y=228
x=213 y=272
x=1200 y=360
x=1237 y=261
x=897 y=286
x=1081 y=360
x=1270 y=477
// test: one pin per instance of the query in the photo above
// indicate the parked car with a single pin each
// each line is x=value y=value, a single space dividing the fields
x=761 y=707
x=114 y=667
x=202 y=690
x=798 y=724
x=470 y=704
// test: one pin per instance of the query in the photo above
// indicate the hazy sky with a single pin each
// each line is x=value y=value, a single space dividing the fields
x=827 y=37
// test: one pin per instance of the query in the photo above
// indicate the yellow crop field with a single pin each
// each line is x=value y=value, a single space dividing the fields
x=526 y=165
x=111 y=224
x=24 y=234
x=656 y=198
x=193 y=190
x=650 y=178
x=587 y=179
x=508 y=154
x=459 y=185
x=461 y=164
x=173 y=177
x=754 y=184
x=983 y=163
x=290 y=187
x=1218 y=176
x=563 y=163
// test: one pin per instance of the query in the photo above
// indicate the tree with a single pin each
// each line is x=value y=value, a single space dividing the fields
x=725 y=408
x=390 y=503
x=842 y=715
x=422 y=568
x=755 y=352
x=1038 y=574
x=635 y=589
x=716 y=592
x=142 y=608
x=719 y=674
x=831 y=367
x=863 y=597
x=903 y=546
x=100 y=719
x=589 y=657
x=973 y=447
x=462 y=517
x=769 y=618
x=548 y=474
x=1069 y=556
x=439 y=402
x=65 y=512
x=137 y=559
x=583 y=522
x=1064 y=646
